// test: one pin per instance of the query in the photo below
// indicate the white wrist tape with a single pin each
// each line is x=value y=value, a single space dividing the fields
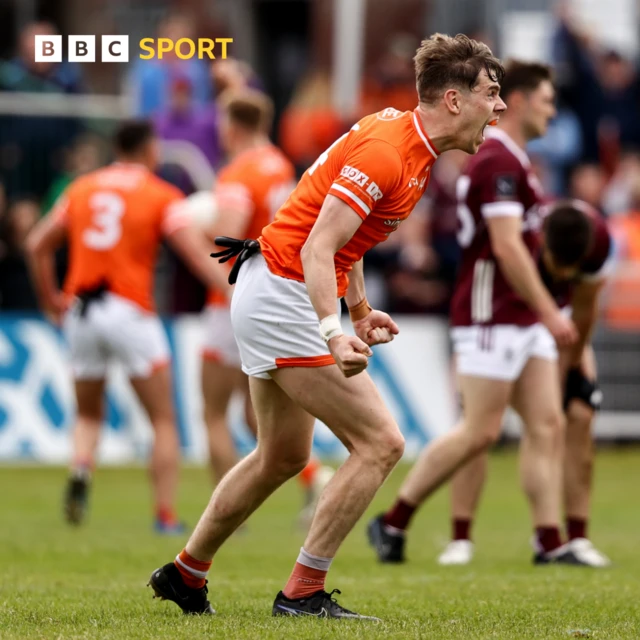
x=330 y=327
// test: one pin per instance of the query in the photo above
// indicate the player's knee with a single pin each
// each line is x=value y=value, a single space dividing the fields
x=580 y=416
x=483 y=439
x=284 y=464
x=388 y=447
x=551 y=430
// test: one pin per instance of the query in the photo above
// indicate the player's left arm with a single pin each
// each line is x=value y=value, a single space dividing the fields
x=191 y=245
x=584 y=305
x=42 y=242
x=371 y=326
x=235 y=208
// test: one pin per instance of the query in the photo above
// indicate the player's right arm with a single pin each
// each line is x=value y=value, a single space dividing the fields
x=335 y=226
x=518 y=267
x=42 y=242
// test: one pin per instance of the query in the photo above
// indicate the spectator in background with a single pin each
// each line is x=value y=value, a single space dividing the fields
x=620 y=193
x=602 y=87
x=84 y=156
x=310 y=124
x=16 y=293
x=558 y=150
x=622 y=300
x=151 y=80
x=233 y=74
x=391 y=82
x=183 y=119
x=23 y=73
x=587 y=182
x=31 y=147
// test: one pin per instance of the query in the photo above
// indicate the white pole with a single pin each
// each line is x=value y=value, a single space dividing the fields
x=348 y=51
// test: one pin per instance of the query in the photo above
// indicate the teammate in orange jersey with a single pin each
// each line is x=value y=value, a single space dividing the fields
x=114 y=220
x=301 y=365
x=249 y=191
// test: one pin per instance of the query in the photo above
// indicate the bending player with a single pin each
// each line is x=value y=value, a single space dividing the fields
x=249 y=191
x=576 y=283
x=301 y=365
x=504 y=322
x=114 y=220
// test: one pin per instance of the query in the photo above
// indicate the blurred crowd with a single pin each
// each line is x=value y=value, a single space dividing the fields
x=591 y=152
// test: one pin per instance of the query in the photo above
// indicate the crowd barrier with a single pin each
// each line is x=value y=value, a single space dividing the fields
x=37 y=406
x=413 y=374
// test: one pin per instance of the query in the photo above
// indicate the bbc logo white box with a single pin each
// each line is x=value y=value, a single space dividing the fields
x=48 y=48
x=115 y=48
x=82 y=49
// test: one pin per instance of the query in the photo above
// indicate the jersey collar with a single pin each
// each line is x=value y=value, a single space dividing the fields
x=423 y=134
x=503 y=137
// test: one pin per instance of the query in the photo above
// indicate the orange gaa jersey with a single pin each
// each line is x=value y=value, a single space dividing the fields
x=380 y=168
x=115 y=219
x=254 y=184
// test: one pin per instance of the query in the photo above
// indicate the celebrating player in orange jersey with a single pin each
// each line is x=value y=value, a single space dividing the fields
x=301 y=365
x=114 y=220
x=249 y=191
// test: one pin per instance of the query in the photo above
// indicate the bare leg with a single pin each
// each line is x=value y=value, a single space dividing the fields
x=155 y=395
x=285 y=431
x=86 y=435
x=578 y=460
x=218 y=384
x=355 y=412
x=537 y=399
x=579 y=451
x=466 y=487
x=484 y=402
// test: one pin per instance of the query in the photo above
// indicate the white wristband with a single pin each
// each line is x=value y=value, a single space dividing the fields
x=330 y=327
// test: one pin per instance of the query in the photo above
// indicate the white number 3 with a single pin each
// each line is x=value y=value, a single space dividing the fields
x=107 y=210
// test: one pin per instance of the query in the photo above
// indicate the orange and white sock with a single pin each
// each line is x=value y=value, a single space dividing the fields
x=193 y=572
x=308 y=474
x=308 y=576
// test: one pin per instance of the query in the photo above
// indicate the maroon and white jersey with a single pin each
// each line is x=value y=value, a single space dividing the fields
x=594 y=266
x=498 y=181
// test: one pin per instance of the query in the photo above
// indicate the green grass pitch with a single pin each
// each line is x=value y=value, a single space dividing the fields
x=59 y=583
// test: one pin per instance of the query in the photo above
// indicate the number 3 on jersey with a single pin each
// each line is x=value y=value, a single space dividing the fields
x=107 y=210
x=467 y=224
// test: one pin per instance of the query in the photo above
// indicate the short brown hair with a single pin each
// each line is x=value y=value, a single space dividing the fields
x=568 y=232
x=248 y=108
x=444 y=61
x=523 y=76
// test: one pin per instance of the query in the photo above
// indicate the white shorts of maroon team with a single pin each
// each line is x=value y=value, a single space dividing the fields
x=115 y=329
x=274 y=322
x=219 y=344
x=500 y=352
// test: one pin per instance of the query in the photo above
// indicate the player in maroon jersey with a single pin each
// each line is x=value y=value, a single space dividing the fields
x=575 y=287
x=505 y=326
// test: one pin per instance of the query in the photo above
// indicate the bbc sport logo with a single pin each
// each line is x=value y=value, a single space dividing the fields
x=116 y=48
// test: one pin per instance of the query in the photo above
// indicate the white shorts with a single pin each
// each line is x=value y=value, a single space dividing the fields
x=115 y=328
x=274 y=322
x=502 y=351
x=219 y=343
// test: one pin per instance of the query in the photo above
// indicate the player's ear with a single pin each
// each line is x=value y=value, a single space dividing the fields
x=453 y=101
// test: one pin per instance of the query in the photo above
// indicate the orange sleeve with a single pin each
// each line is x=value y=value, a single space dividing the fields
x=370 y=172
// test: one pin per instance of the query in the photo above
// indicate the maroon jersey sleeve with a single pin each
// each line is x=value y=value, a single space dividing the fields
x=497 y=182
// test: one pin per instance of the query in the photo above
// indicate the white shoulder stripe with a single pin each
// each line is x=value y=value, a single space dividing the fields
x=363 y=205
x=499 y=209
